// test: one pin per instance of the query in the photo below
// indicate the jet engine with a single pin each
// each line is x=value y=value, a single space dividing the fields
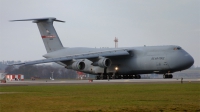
x=77 y=65
x=102 y=62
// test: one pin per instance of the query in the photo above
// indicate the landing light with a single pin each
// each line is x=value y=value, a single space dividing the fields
x=116 y=68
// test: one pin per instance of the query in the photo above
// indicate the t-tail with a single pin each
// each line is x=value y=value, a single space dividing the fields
x=48 y=32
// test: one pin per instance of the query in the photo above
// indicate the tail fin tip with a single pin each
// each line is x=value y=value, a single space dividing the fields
x=48 y=32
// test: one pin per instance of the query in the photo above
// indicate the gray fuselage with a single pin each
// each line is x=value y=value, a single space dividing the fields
x=141 y=60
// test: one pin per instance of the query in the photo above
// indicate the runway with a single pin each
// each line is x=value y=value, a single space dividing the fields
x=114 y=81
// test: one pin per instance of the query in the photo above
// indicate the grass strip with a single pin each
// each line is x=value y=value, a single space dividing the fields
x=101 y=97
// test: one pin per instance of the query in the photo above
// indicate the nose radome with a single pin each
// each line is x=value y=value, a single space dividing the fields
x=179 y=61
x=183 y=61
x=190 y=60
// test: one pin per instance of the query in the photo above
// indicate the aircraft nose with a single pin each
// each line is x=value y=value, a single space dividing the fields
x=190 y=61
x=187 y=61
x=180 y=61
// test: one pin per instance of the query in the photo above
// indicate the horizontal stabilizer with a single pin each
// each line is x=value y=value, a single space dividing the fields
x=39 y=19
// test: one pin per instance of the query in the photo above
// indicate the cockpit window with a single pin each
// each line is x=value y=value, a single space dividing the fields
x=177 y=48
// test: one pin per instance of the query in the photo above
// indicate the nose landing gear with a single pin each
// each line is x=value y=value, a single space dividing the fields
x=167 y=76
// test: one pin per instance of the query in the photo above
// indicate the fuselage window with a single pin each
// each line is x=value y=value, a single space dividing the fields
x=177 y=48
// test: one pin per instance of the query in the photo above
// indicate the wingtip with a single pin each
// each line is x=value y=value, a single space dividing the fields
x=17 y=64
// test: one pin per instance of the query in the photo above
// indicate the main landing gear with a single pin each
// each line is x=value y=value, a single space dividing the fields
x=167 y=76
x=137 y=77
x=114 y=76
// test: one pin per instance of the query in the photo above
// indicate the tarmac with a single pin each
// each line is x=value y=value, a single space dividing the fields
x=111 y=81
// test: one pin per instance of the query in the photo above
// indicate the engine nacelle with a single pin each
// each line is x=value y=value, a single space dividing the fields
x=103 y=62
x=77 y=65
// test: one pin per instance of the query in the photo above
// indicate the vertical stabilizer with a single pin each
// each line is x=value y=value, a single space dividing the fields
x=48 y=33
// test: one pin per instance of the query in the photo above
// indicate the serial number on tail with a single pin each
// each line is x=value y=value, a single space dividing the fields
x=49 y=36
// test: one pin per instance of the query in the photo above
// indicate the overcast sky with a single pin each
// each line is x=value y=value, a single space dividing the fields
x=95 y=23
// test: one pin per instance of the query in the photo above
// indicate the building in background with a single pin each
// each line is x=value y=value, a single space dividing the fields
x=14 y=77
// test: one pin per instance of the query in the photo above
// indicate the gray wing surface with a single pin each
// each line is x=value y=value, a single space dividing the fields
x=78 y=56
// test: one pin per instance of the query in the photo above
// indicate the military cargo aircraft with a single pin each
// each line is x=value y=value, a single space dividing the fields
x=115 y=63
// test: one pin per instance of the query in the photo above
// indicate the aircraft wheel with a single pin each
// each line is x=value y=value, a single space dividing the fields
x=170 y=76
x=124 y=77
x=101 y=77
x=97 y=77
x=137 y=77
x=164 y=76
x=167 y=76
x=130 y=76
x=119 y=77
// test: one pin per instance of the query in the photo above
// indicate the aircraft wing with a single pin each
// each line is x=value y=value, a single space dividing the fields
x=78 y=56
